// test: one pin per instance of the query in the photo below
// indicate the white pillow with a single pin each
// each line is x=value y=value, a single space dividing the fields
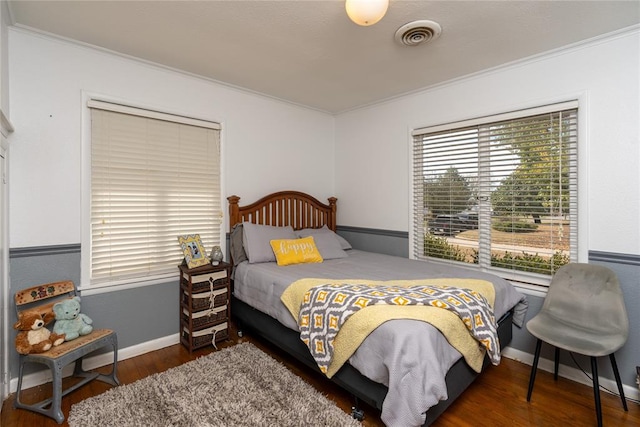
x=256 y=240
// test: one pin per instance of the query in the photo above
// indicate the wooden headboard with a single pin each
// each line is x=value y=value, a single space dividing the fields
x=293 y=208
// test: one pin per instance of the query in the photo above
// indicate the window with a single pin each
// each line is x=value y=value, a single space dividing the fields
x=499 y=192
x=154 y=177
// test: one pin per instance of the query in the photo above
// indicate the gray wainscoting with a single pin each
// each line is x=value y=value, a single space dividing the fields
x=137 y=315
x=381 y=241
x=143 y=314
x=627 y=268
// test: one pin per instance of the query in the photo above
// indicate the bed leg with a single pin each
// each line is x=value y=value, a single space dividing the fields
x=356 y=411
x=239 y=331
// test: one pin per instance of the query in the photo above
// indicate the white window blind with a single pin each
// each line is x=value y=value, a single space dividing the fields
x=499 y=192
x=153 y=177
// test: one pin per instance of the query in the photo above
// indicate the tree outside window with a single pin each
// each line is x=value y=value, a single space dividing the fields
x=500 y=194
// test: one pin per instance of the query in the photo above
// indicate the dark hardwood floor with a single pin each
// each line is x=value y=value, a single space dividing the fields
x=496 y=398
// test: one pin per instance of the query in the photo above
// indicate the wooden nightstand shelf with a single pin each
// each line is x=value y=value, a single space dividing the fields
x=204 y=305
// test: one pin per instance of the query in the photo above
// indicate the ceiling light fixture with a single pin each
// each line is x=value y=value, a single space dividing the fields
x=366 y=12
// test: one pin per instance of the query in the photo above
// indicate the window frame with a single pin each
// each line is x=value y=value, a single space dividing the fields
x=535 y=283
x=86 y=286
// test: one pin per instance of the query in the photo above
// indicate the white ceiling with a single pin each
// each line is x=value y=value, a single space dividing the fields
x=310 y=53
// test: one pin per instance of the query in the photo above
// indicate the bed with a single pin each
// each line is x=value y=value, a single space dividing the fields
x=410 y=380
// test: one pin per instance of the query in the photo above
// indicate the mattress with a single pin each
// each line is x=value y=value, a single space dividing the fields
x=413 y=369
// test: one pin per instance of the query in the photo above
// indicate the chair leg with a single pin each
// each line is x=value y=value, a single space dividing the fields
x=614 y=365
x=78 y=370
x=51 y=407
x=112 y=378
x=534 y=368
x=114 y=370
x=55 y=411
x=596 y=389
x=556 y=363
x=16 y=401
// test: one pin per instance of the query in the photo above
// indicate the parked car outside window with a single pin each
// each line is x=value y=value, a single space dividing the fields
x=451 y=225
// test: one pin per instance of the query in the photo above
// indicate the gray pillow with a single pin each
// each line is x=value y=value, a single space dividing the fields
x=235 y=245
x=256 y=240
x=326 y=241
x=344 y=244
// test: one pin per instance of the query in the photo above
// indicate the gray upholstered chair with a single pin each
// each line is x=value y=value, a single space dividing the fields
x=584 y=313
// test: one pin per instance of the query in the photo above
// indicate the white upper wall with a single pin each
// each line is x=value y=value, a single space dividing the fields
x=373 y=144
x=270 y=145
x=4 y=58
x=267 y=145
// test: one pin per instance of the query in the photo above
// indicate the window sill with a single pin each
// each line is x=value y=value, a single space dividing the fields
x=531 y=289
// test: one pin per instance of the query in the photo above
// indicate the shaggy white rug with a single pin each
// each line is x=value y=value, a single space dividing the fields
x=236 y=386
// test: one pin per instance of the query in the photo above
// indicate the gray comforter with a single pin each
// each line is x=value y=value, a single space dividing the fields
x=413 y=369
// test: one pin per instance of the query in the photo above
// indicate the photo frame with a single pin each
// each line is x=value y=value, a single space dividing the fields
x=194 y=252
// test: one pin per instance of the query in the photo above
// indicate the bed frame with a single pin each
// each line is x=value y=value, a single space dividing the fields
x=293 y=208
x=303 y=211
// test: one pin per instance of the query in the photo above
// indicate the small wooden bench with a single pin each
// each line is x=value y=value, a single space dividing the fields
x=41 y=298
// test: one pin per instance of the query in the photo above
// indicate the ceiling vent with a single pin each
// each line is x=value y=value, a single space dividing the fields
x=418 y=32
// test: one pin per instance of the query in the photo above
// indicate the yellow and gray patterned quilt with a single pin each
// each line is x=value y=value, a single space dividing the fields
x=335 y=316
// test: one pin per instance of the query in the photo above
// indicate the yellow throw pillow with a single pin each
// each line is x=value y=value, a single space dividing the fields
x=295 y=251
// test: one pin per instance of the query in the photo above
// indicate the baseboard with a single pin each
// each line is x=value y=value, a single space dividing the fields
x=43 y=377
x=103 y=359
x=570 y=373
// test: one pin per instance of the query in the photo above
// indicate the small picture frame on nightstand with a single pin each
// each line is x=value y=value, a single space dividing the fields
x=193 y=250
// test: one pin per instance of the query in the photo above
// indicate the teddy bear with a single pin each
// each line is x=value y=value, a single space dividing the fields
x=33 y=336
x=69 y=320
